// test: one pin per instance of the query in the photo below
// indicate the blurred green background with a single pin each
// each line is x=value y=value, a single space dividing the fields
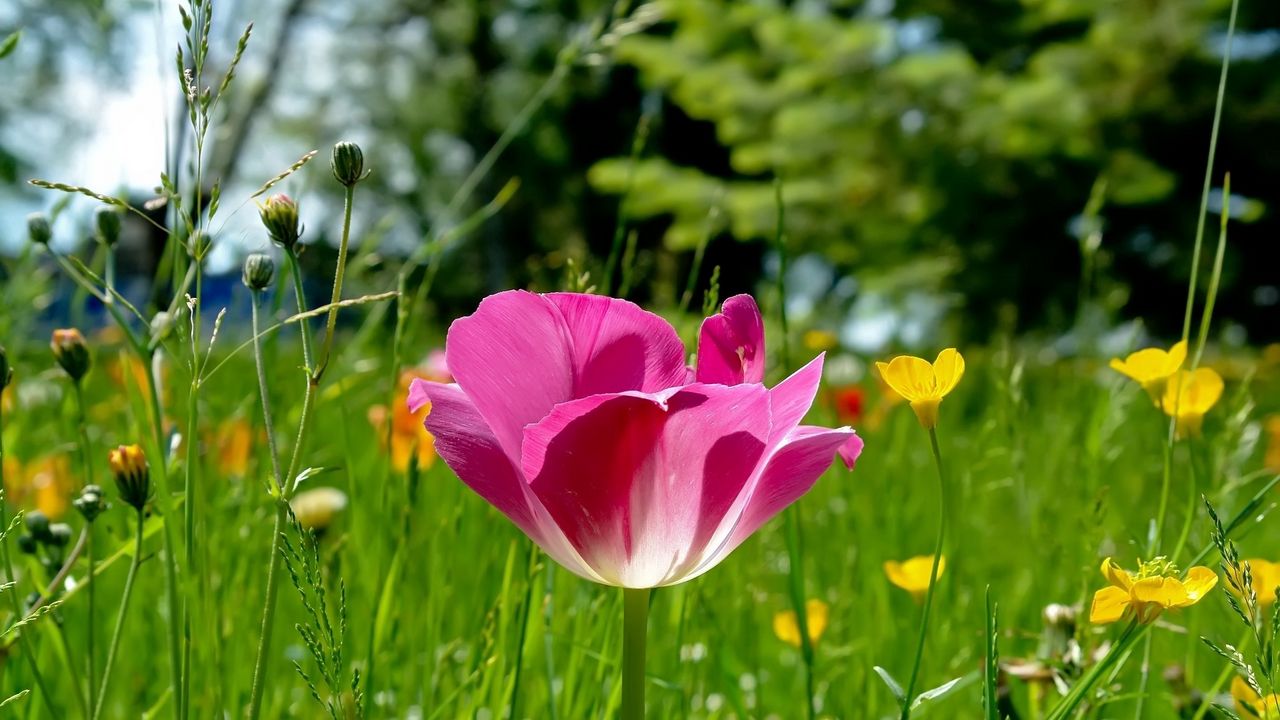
x=938 y=158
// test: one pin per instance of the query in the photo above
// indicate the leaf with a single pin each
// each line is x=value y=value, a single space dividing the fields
x=6 y=47
x=894 y=687
x=22 y=693
x=309 y=473
x=936 y=693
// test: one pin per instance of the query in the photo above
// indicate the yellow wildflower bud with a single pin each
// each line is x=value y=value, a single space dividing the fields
x=1188 y=396
x=922 y=383
x=1249 y=704
x=787 y=628
x=913 y=575
x=1151 y=367
x=133 y=476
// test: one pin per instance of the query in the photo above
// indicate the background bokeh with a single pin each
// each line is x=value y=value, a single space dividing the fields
x=937 y=157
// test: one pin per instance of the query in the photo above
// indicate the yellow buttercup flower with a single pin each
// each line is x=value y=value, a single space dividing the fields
x=1266 y=580
x=922 y=383
x=816 y=614
x=1154 y=589
x=1272 y=458
x=1151 y=367
x=1250 y=704
x=913 y=575
x=1188 y=396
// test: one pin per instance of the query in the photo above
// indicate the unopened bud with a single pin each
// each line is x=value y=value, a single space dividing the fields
x=280 y=216
x=107 y=221
x=37 y=524
x=348 y=163
x=90 y=503
x=27 y=544
x=259 y=271
x=133 y=476
x=71 y=352
x=59 y=535
x=38 y=228
x=198 y=244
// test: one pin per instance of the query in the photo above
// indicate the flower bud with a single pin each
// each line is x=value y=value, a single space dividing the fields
x=59 y=535
x=26 y=544
x=90 y=503
x=107 y=221
x=38 y=228
x=71 y=352
x=133 y=476
x=259 y=271
x=6 y=372
x=348 y=163
x=280 y=216
x=37 y=524
x=198 y=244
x=317 y=508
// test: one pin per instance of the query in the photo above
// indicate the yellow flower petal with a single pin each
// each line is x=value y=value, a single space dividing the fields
x=1151 y=366
x=1250 y=705
x=1109 y=605
x=787 y=628
x=1166 y=592
x=1116 y=575
x=909 y=376
x=1266 y=579
x=913 y=575
x=947 y=371
x=1199 y=581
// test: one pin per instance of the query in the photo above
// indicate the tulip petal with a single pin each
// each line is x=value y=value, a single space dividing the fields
x=850 y=451
x=472 y=451
x=617 y=346
x=731 y=344
x=512 y=357
x=791 y=399
x=788 y=474
x=639 y=483
x=1109 y=605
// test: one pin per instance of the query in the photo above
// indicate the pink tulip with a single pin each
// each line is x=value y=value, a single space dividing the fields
x=576 y=416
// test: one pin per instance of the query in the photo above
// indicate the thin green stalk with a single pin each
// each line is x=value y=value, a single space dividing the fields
x=1144 y=674
x=28 y=648
x=338 y=274
x=531 y=575
x=635 y=622
x=268 y=611
x=620 y=225
x=548 y=614
x=189 y=490
x=1216 y=277
x=1067 y=706
x=1221 y=680
x=933 y=575
x=120 y=617
x=86 y=455
x=265 y=398
x=795 y=556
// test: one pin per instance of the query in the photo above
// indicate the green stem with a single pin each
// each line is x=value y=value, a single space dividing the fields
x=338 y=274
x=1063 y=709
x=86 y=455
x=265 y=398
x=28 y=648
x=189 y=492
x=635 y=623
x=1144 y=676
x=124 y=609
x=268 y=612
x=933 y=575
x=795 y=557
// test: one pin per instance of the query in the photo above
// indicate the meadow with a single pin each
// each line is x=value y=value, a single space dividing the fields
x=221 y=499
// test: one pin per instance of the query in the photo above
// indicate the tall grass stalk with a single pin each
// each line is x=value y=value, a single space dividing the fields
x=122 y=614
x=86 y=455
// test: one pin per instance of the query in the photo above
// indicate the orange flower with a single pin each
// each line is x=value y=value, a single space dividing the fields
x=45 y=484
x=409 y=439
x=233 y=443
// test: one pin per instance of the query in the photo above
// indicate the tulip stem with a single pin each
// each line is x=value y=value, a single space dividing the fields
x=635 y=623
x=124 y=609
x=933 y=575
